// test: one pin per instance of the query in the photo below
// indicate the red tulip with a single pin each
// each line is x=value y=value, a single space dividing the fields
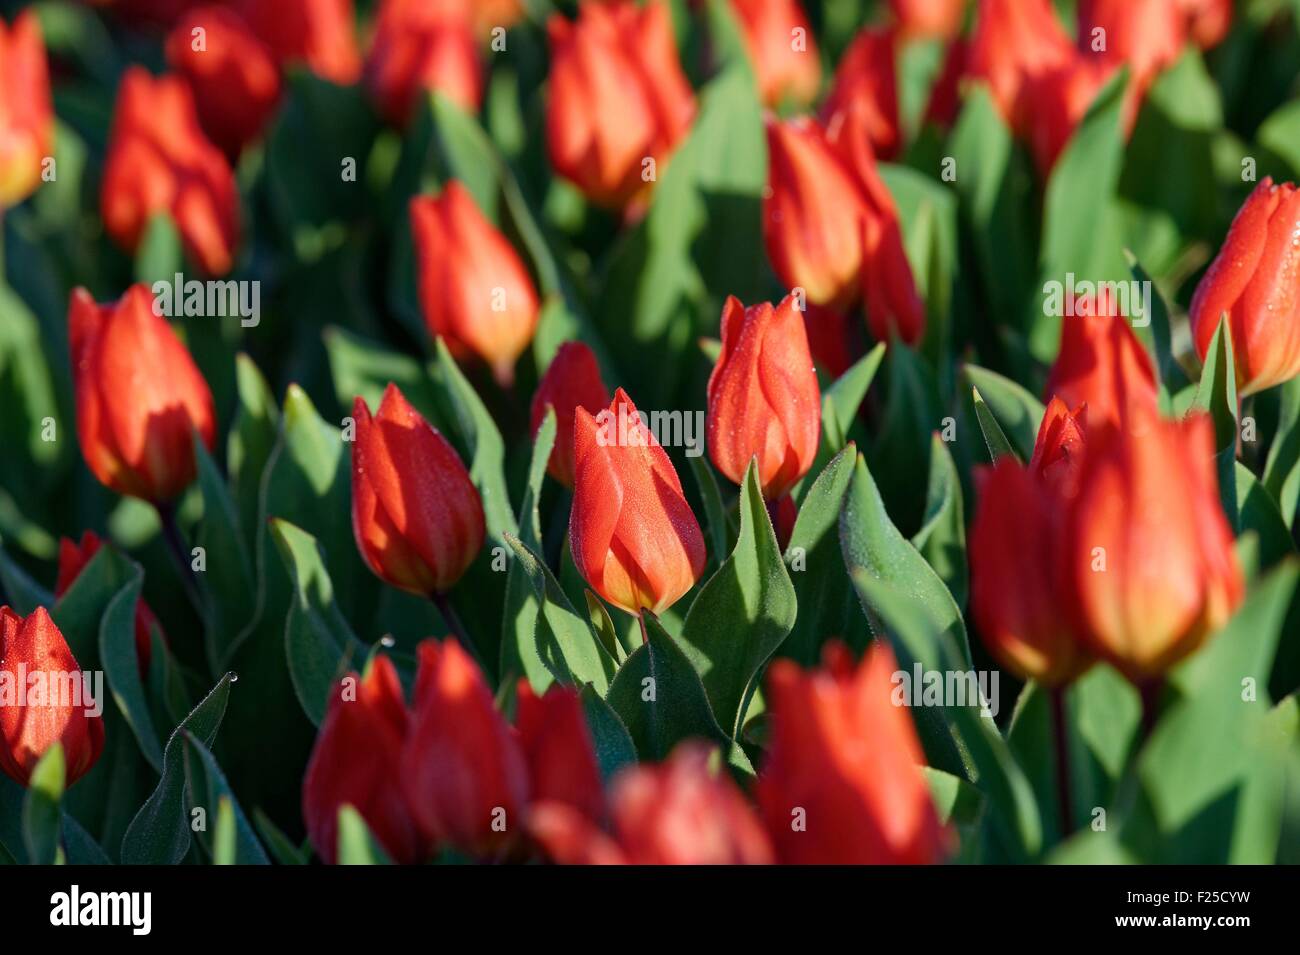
x=763 y=396
x=633 y=536
x=843 y=781
x=1014 y=43
x=33 y=653
x=233 y=76
x=572 y=381
x=465 y=775
x=1208 y=21
x=1054 y=105
x=1147 y=550
x=148 y=12
x=782 y=49
x=929 y=18
x=865 y=83
x=421 y=46
x=1148 y=35
x=1253 y=281
x=1103 y=365
x=73 y=559
x=617 y=99
x=1015 y=541
x=357 y=761
x=558 y=749
x=26 y=116
x=490 y=14
x=945 y=94
x=679 y=813
x=139 y=396
x=416 y=516
x=159 y=161
x=318 y=34
x=474 y=289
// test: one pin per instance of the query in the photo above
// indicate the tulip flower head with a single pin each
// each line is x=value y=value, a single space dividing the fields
x=33 y=653
x=416 y=515
x=572 y=381
x=633 y=536
x=558 y=749
x=73 y=558
x=26 y=114
x=782 y=49
x=1014 y=43
x=317 y=34
x=420 y=46
x=764 y=400
x=1253 y=281
x=866 y=84
x=140 y=398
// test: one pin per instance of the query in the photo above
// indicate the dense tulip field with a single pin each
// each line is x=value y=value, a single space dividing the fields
x=677 y=431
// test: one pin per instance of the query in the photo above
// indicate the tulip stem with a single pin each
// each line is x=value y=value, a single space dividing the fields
x=1062 y=738
x=176 y=544
x=454 y=624
x=1150 y=693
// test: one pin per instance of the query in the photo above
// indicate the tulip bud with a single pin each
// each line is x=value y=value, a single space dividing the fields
x=813 y=212
x=865 y=83
x=1015 y=555
x=491 y=14
x=357 y=761
x=1103 y=365
x=73 y=559
x=1148 y=35
x=1208 y=21
x=843 y=781
x=1148 y=552
x=618 y=101
x=558 y=749
x=929 y=18
x=763 y=396
x=421 y=46
x=474 y=290
x=26 y=116
x=683 y=812
x=416 y=516
x=572 y=381
x=231 y=73
x=1253 y=282
x=31 y=722
x=465 y=774
x=1014 y=43
x=633 y=536
x=782 y=49
x=317 y=34
x=1055 y=104
x=945 y=94
x=139 y=397
x=159 y=161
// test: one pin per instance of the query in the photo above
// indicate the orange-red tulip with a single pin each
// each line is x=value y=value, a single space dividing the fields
x=843 y=783
x=490 y=14
x=416 y=516
x=866 y=84
x=357 y=761
x=782 y=48
x=945 y=94
x=763 y=396
x=1103 y=364
x=1015 y=554
x=159 y=161
x=633 y=536
x=26 y=116
x=1208 y=21
x=1148 y=35
x=474 y=289
x=465 y=775
x=572 y=381
x=139 y=396
x=73 y=558
x=232 y=74
x=1254 y=281
x=929 y=18
x=617 y=99
x=317 y=34
x=32 y=720
x=682 y=812
x=1148 y=551
x=1014 y=43
x=420 y=46
x=558 y=749
x=1054 y=105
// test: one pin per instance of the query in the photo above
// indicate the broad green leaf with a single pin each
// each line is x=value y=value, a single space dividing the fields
x=223 y=838
x=942 y=538
x=715 y=514
x=227 y=578
x=1016 y=411
x=356 y=844
x=279 y=845
x=23 y=593
x=519 y=620
x=742 y=614
x=159 y=256
x=118 y=655
x=1157 y=335
x=363 y=369
x=253 y=436
x=41 y=813
x=1216 y=394
x=1258 y=512
x=610 y=739
x=901 y=451
x=238 y=844
x=1282 y=470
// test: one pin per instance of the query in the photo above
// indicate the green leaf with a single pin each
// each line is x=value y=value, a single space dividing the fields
x=223 y=839
x=319 y=642
x=1258 y=512
x=41 y=814
x=742 y=614
x=1016 y=412
x=1159 y=340
x=840 y=404
x=519 y=620
x=610 y=739
x=565 y=641
x=363 y=369
x=23 y=593
x=356 y=844
x=660 y=699
x=1282 y=470
x=238 y=844
x=227 y=579
x=252 y=440
x=942 y=538
x=901 y=450
x=159 y=256
x=825 y=599
x=284 y=851
x=1216 y=394
x=957 y=801
x=118 y=655
x=160 y=832
x=715 y=514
